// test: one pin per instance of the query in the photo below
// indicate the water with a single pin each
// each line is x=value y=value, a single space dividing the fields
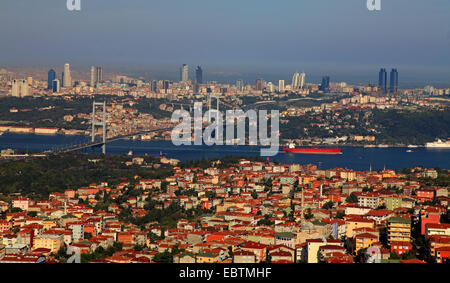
x=356 y=158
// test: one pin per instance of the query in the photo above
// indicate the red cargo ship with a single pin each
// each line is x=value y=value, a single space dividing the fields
x=312 y=150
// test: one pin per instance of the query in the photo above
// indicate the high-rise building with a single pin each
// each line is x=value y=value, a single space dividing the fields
x=199 y=75
x=240 y=85
x=67 y=80
x=154 y=86
x=56 y=86
x=166 y=85
x=99 y=75
x=20 y=88
x=382 y=80
x=281 y=85
x=50 y=78
x=15 y=88
x=24 y=89
x=269 y=87
x=96 y=75
x=296 y=80
x=93 y=76
x=184 y=73
x=259 y=85
x=394 y=81
x=325 y=86
x=302 y=79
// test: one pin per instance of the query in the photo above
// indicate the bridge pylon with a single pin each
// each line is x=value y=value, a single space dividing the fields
x=101 y=123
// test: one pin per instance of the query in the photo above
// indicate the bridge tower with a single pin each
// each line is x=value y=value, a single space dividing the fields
x=101 y=123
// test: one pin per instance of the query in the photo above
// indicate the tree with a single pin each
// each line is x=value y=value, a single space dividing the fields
x=308 y=214
x=328 y=205
x=138 y=248
x=266 y=221
x=394 y=255
x=340 y=215
x=16 y=210
x=164 y=257
x=352 y=198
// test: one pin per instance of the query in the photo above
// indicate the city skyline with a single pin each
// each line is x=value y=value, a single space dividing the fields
x=224 y=47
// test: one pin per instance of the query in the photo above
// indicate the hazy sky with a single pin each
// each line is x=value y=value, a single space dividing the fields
x=232 y=38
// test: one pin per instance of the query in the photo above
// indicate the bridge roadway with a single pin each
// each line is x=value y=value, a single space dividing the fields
x=100 y=143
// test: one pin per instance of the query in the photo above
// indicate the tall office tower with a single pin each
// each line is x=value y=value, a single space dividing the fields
x=382 y=80
x=67 y=81
x=281 y=85
x=15 y=88
x=20 y=88
x=30 y=81
x=259 y=85
x=296 y=80
x=325 y=86
x=154 y=86
x=240 y=85
x=302 y=79
x=93 y=76
x=56 y=86
x=199 y=75
x=394 y=81
x=269 y=86
x=99 y=75
x=166 y=85
x=184 y=73
x=50 y=78
x=24 y=89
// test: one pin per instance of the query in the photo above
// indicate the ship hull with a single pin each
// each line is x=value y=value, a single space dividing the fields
x=327 y=151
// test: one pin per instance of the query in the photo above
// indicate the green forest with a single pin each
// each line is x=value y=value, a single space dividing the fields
x=37 y=178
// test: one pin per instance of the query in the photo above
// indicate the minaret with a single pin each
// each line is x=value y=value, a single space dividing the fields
x=303 y=203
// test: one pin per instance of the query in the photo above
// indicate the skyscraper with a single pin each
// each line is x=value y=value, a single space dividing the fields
x=20 y=88
x=93 y=76
x=259 y=85
x=50 y=78
x=325 y=86
x=166 y=85
x=240 y=85
x=154 y=86
x=99 y=75
x=302 y=79
x=281 y=85
x=15 y=88
x=296 y=81
x=67 y=80
x=382 y=80
x=394 y=81
x=184 y=73
x=199 y=75
x=56 y=86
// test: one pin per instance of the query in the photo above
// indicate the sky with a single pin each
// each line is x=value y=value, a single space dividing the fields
x=232 y=39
